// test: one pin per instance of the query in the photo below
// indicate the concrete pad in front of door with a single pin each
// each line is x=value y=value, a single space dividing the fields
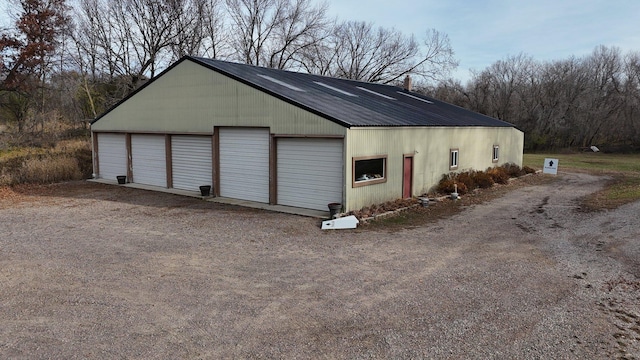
x=251 y=204
x=278 y=208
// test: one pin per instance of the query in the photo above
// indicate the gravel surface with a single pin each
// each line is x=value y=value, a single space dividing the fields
x=96 y=271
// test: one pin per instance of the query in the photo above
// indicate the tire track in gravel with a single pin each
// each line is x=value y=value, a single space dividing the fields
x=599 y=250
x=136 y=274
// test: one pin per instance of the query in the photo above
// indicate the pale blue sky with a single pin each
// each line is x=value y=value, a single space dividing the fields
x=484 y=31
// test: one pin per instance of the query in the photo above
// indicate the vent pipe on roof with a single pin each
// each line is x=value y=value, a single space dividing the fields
x=407 y=83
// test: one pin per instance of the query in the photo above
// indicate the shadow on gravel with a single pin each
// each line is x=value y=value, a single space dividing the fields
x=408 y=219
x=97 y=191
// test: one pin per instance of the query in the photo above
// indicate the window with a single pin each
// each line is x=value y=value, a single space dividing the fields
x=453 y=159
x=369 y=170
x=496 y=153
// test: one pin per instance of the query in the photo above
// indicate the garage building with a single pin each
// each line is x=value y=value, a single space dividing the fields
x=293 y=139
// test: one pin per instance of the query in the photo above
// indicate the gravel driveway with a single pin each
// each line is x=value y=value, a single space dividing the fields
x=96 y=271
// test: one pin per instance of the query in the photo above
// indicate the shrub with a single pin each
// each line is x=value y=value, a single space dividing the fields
x=11 y=162
x=461 y=187
x=529 y=170
x=67 y=160
x=483 y=180
x=466 y=178
x=5 y=179
x=513 y=170
x=52 y=169
x=498 y=175
x=445 y=186
x=448 y=184
x=85 y=162
x=80 y=150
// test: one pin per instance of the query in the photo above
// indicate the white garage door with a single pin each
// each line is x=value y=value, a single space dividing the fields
x=244 y=164
x=310 y=172
x=191 y=161
x=148 y=160
x=112 y=155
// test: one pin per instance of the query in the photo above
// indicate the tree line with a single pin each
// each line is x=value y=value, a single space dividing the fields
x=571 y=103
x=73 y=59
x=70 y=60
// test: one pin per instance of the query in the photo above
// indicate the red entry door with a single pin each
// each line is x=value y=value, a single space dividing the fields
x=406 y=178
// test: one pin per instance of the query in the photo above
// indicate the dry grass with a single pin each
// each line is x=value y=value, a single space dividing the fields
x=67 y=160
x=624 y=169
x=621 y=190
x=49 y=170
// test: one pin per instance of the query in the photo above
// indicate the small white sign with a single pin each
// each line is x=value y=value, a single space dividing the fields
x=550 y=166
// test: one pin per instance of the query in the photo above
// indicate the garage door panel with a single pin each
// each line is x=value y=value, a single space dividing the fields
x=310 y=172
x=148 y=159
x=191 y=161
x=112 y=155
x=244 y=164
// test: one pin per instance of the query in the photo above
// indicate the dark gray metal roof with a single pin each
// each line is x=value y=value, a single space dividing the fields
x=352 y=103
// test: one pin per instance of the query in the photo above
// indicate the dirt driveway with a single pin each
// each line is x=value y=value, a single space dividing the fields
x=98 y=271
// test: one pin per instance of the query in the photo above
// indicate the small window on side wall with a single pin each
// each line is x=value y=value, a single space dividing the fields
x=453 y=159
x=369 y=170
x=496 y=153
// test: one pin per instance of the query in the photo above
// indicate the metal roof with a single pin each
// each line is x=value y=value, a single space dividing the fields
x=347 y=102
x=352 y=103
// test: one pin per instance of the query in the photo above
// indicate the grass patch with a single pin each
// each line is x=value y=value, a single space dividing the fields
x=623 y=189
x=624 y=169
x=49 y=170
x=589 y=161
x=67 y=160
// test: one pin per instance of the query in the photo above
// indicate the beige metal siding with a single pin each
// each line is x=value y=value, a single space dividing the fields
x=193 y=99
x=430 y=147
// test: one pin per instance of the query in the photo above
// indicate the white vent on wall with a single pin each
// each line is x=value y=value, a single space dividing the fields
x=335 y=89
x=375 y=93
x=279 y=82
x=415 y=97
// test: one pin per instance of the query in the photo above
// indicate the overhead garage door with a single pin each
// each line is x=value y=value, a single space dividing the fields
x=148 y=160
x=112 y=155
x=244 y=164
x=191 y=161
x=309 y=172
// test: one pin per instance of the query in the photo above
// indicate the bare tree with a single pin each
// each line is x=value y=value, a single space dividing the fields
x=199 y=29
x=357 y=50
x=373 y=55
x=576 y=102
x=26 y=56
x=130 y=40
x=274 y=33
x=437 y=57
x=255 y=22
x=302 y=26
x=631 y=110
x=216 y=43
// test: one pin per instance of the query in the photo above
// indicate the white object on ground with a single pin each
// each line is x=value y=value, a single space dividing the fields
x=347 y=222
x=594 y=148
